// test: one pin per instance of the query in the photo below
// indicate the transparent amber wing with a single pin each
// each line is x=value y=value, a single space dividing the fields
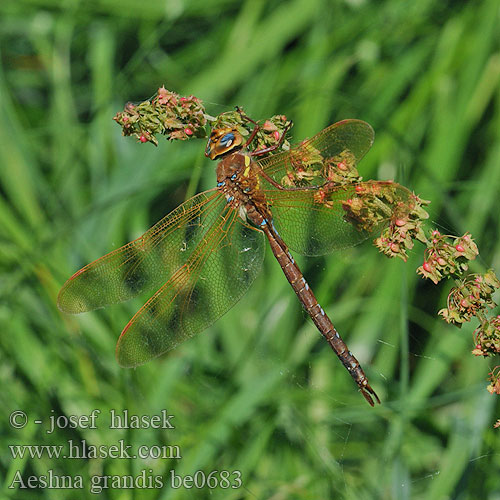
x=145 y=263
x=318 y=221
x=345 y=141
x=216 y=275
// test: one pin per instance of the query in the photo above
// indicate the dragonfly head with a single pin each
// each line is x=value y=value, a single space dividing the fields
x=223 y=141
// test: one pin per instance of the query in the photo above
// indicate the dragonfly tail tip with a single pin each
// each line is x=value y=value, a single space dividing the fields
x=366 y=391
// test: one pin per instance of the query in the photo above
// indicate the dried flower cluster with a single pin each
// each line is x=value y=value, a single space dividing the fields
x=470 y=298
x=405 y=226
x=447 y=256
x=307 y=167
x=399 y=211
x=494 y=387
x=487 y=337
x=341 y=169
x=167 y=114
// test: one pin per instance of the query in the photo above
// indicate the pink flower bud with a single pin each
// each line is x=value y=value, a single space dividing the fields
x=460 y=248
x=188 y=131
x=341 y=166
x=143 y=138
x=269 y=126
x=359 y=189
x=276 y=135
x=399 y=222
x=427 y=267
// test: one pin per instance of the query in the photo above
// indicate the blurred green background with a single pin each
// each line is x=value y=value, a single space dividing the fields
x=259 y=392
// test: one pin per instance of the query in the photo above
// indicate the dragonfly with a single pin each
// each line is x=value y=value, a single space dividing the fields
x=204 y=255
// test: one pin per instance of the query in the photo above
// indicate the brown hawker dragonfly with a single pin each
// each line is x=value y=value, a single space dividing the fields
x=203 y=256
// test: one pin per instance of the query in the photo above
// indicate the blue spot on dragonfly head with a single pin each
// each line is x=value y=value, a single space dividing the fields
x=227 y=139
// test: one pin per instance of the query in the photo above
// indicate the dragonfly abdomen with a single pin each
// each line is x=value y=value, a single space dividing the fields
x=316 y=312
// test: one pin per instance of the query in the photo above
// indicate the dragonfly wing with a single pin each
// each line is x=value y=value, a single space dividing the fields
x=316 y=222
x=145 y=263
x=347 y=140
x=217 y=274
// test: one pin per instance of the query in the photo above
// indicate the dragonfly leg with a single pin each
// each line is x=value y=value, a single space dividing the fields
x=252 y=135
x=248 y=119
x=244 y=116
x=256 y=129
x=275 y=146
x=271 y=181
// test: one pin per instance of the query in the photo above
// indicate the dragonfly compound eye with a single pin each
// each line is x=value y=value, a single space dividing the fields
x=227 y=140
x=223 y=141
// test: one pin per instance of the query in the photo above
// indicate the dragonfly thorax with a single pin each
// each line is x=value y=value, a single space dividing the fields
x=238 y=180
